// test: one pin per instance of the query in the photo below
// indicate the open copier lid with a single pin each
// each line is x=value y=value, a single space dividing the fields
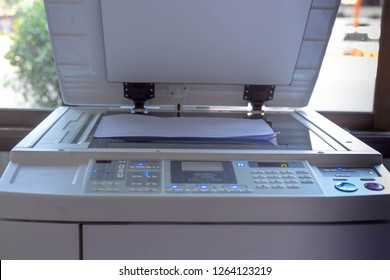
x=207 y=46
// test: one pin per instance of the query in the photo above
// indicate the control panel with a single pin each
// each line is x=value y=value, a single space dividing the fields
x=125 y=176
x=179 y=177
x=353 y=179
x=201 y=177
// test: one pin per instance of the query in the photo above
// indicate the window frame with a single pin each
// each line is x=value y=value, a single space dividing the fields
x=379 y=119
x=382 y=87
x=15 y=124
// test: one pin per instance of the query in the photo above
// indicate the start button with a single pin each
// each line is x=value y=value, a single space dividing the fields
x=346 y=187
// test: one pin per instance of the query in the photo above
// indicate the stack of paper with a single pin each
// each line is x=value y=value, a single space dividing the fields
x=131 y=125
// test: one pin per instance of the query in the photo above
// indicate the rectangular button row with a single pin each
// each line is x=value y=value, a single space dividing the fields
x=221 y=190
x=278 y=186
x=105 y=189
x=109 y=183
x=271 y=171
x=147 y=184
x=143 y=189
x=338 y=170
x=144 y=165
x=259 y=176
x=291 y=181
x=102 y=189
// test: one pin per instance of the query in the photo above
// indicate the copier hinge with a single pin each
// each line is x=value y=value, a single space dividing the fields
x=139 y=93
x=257 y=95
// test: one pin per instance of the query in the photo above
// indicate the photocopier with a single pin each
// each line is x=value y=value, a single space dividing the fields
x=186 y=75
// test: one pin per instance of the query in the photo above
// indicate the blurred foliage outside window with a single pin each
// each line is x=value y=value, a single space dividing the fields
x=30 y=54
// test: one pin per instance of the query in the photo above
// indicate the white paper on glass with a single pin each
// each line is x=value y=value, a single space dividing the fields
x=130 y=125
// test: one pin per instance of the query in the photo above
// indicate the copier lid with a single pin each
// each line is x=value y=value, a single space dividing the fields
x=214 y=47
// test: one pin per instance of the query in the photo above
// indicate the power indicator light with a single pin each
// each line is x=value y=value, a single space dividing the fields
x=240 y=164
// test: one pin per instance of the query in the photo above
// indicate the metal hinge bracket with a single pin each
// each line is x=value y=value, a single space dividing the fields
x=139 y=93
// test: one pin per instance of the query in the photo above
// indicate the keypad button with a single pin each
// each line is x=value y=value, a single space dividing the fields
x=274 y=177
x=261 y=181
x=290 y=181
x=342 y=175
x=367 y=179
x=347 y=170
x=275 y=181
x=288 y=177
x=263 y=177
x=330 y=170
x=293 y=186
x=278 y=186
x=307 y=182
x=272 y=172
x=304 y=177
x=340 y=179
x=263 y=186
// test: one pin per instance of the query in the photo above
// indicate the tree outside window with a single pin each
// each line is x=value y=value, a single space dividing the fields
x=30 y=54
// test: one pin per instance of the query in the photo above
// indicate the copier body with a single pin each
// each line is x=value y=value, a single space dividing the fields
x=312 y=192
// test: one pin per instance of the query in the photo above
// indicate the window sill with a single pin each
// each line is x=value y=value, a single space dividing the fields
x=15 y=124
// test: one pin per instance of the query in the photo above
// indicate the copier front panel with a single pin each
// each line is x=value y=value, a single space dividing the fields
x=214 y=178
x=201 y=177
x=152 y=185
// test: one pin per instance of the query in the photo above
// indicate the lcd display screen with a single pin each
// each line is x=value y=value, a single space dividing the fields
x=202 y=172
x=201 y=166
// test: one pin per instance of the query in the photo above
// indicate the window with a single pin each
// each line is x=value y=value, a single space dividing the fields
x=27 y=71
x=348 y=73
